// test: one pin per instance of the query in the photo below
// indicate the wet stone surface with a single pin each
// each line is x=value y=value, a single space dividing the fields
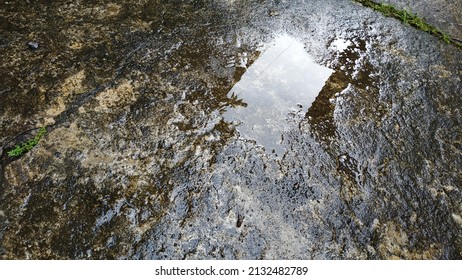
x=142 y=161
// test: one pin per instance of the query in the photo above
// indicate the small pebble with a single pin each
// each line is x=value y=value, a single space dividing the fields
x=273 y=13
x=33 y=45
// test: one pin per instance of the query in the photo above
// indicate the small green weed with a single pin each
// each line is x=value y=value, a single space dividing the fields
x=411 y=19
x=26 y=146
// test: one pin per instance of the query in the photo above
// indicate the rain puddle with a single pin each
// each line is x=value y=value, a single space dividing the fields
x=283 y=79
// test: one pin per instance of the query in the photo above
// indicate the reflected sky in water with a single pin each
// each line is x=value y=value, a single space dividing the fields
x=284 y=78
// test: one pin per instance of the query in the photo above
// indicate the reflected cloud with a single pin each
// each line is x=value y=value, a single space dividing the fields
x=283 y=79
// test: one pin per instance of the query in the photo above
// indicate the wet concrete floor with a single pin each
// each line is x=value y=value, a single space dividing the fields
x=227 y=130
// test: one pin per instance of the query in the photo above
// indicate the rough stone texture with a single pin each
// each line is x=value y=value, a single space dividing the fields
x=138 y=162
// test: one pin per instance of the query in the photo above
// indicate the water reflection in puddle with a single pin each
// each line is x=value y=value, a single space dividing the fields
x=283 y=79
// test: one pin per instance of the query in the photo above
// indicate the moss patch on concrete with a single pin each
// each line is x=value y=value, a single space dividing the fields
x=411 y=19
x=26 y=146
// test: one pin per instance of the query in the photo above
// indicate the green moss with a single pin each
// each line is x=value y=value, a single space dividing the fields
x=26 y=146
x=410 y=19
